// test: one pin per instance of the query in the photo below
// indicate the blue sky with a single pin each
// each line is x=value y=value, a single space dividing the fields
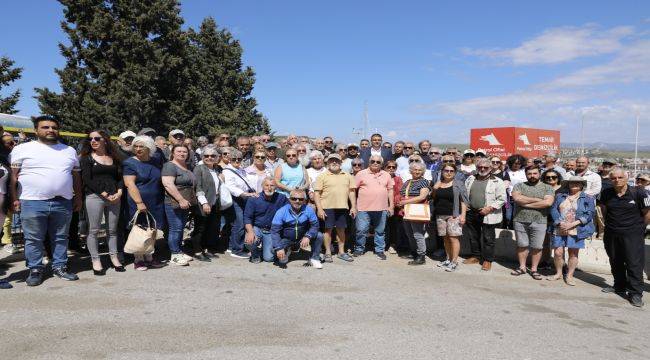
x=428 y=69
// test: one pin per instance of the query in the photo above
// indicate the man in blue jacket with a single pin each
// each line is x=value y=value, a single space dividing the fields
x=375 y=148
x=295 y=224
x=258 y=214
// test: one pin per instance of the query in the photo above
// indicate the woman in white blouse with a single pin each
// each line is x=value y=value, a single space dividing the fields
x=241 y=189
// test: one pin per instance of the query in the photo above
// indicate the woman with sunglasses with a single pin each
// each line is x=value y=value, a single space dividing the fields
x=450 y=204
x=241 y=189
x=101 y=172
x=394 y=223
x=141 y=174
x=357 y=165
x=225 y=152
x=553 y=178
x=291 y=175
x=206 y=219
x=257 y=171
x=180 y=198
x=406 y=175
x=415 y=191
x=497 y=167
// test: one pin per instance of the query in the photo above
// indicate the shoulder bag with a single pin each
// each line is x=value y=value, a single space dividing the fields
x=142 y=239
x=416 y=212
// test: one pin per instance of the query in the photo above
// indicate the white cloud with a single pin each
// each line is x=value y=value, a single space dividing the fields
x=560 y=45
x=515 y=100
x=632 y=64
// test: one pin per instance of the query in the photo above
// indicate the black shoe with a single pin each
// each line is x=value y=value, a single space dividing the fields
x=101 y=272
x=419 y=260
x=4 y=284
x=35 y=277
x=611 y=290
x=63 y=273
x=255 y=260
x=118 y=268
x=381 y=256
x=357 y=253
x=202 y=257
x=636 y=300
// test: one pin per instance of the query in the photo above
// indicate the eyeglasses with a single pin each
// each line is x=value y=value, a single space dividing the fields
x=237 y=159
x=482 y=167
x=408 y=147
x=356 y=165
x=551 y=177
x=434 y=153
x=210 y=156
x=448 y=171
x=296 y=199
x=448 y=161
x=496 y=162
x=391 y=167
x=375 y=162
x=302 y=151
x=292 y=155
x=95 y=138
x=260 y=157
x=178 y=136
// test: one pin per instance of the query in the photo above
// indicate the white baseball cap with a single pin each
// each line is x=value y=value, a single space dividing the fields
x=127 y=134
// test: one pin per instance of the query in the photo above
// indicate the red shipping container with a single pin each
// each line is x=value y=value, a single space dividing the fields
x=506 y=141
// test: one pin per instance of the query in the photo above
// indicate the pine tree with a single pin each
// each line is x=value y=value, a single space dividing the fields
x=9 y=74
x=129 y=65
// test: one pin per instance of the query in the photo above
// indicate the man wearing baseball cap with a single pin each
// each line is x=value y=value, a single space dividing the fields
x=177 y=137
x=332 y=191
x=353 y=153
x=272 y=159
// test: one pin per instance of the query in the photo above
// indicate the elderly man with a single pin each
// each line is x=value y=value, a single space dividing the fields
x=265 y=138
x=434 y=156
x=487 y=195
x=332 y=191
x=292 y=139
x=403 y=161
x=594 y=183
x=569 y=166
x=398 y=149
x=550 y=162
x=353 y=153
x=374 y=205
x=329 y=144
x=272 y=159
x=258 y=216
x=627 y=212
x=296 y=224
x=375 y=149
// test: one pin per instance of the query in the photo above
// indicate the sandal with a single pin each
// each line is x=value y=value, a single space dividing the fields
x=518 y=272
x=535 y=275
x=570 y=281
x=554 y=278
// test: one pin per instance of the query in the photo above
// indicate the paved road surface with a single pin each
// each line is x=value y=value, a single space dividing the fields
x=368 y=309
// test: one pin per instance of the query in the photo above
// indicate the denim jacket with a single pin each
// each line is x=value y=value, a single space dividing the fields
x=584 y=213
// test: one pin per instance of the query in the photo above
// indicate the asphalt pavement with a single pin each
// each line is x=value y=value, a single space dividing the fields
x=368 y=309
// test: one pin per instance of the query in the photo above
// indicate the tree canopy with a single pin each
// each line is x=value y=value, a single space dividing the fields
x=130 y=65
x=9 y=74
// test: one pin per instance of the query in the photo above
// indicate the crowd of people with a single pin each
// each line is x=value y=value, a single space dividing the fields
x=255 y=199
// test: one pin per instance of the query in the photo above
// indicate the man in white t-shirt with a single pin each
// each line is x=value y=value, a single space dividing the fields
x=45 y=187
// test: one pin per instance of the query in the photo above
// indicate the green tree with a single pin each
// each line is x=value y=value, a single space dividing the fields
x=218 y=93
x=129 y=65
x=9 y=74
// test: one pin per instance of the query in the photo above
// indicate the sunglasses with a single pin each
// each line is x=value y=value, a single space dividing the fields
x=302 y=151
x=413 y=160
x=356 y=165
x=482 y=167
x=434 y=153
x=178 y=136
x=408 y=147
x=551 y=177
x=375 y=162
x=292 y=155
x=95 y=138
x=210 y=156
x=260 y=157
x=328 y=141
x=296 y=199
x=469 y=155
x=237 y=159
x=496 y=162
x=448 y=161
x=391 y=167
x=225 y=153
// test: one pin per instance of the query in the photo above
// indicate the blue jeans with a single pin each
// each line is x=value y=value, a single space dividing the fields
x=46 y=219
x=176 y=219
x=263 y=239
x=316 y=246
x=376 y=219
x=237 y=231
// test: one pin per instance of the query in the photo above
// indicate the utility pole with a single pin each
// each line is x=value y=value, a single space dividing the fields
x=636 y=145
x=365 y=119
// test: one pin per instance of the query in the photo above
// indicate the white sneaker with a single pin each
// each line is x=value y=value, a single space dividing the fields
x=45 y=261
x=10 y=248
x=316 y=264
x=444 y=263
x=391 y=250
x=178 y=260
x=187 y=257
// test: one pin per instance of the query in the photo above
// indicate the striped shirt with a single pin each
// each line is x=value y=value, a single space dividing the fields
x=414 y=187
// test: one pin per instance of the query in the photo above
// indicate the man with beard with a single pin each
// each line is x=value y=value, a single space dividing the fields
x=487 y=195
x=353 y=153
x=570 y=165
x=533 y=199
x=258 y=216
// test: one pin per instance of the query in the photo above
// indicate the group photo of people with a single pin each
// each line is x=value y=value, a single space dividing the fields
x=152 y=201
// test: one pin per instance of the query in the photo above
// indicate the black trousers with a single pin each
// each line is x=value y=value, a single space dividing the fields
x=626 y=253
x=481 y=236
x=206 y=230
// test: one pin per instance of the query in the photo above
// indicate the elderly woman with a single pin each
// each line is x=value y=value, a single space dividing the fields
x=572 y=214
x=291 y=175
x=257 y=171
x=225 y=152
x=450 y=204
x=357 y=165
x=415 y=191
x=180 y=198
x=144 y=193
x=241 y=190
x=317 y=161
x=206 y=221
x=415 y=159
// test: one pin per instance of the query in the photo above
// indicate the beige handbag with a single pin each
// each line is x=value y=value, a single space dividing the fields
x=416 y=212
x=142 y=239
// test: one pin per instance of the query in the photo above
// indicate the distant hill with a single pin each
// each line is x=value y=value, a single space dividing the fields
x=606 y=146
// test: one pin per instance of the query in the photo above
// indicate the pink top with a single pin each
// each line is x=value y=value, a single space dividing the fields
x=374 y=189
